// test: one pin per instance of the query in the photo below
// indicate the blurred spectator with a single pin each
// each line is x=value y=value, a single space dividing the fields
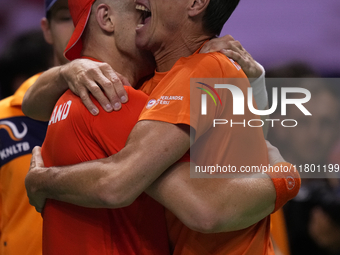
x=21 y=225
x=313 y=217
x=25 y=56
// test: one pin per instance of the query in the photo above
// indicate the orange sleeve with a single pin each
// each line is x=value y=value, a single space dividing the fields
x=170 y=100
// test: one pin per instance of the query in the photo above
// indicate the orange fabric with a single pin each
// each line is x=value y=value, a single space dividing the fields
x=169 y=101
x=21 y=225
x=74 y=136
x=279 y=232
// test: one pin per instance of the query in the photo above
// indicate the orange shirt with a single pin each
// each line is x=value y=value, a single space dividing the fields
x=170 y=101
x=21 y=225
x=74 y=135
x=279 y=232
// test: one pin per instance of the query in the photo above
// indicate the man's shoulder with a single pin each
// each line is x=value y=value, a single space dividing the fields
x=135 y=93
x=137 y=100
x=212 y=58
x=14 y=102
x=7 y=110
x=129 y=110
x=212 y=65
x=5 y=102
x=69 y=96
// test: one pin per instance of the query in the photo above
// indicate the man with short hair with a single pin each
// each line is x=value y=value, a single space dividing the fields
x=21 y=225
x=74 y=136
x=171 y=30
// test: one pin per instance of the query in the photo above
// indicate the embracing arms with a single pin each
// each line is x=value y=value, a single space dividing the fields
x=152 y=148
x=84 y=77
x=205 y=205
x=115 y=181
x=214 y=205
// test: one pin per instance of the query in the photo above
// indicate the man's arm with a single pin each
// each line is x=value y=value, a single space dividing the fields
x=118 y=180
x=40 y=108
x=217 y=204
x=205 y=205
x=83 y=77
x=212 y=205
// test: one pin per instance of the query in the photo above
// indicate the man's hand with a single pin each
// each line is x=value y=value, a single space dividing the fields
x=85 y=77
x=274 y=154
x=234 y=50
x=35 y=199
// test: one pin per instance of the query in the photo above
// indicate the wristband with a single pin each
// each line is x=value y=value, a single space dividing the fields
x=260 y=91
x=286 y=183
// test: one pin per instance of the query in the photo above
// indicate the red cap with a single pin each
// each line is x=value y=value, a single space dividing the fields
x=80 y=11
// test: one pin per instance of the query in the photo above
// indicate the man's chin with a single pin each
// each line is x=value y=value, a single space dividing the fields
x=141 y=43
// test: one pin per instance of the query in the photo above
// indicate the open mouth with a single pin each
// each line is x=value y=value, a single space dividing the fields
x=145 y=15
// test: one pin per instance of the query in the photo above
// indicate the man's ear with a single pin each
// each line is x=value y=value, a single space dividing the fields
x=45 y=27
x=197 y=7
x=105 y=18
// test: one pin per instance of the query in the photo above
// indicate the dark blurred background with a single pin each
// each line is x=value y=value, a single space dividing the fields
x=274 y=32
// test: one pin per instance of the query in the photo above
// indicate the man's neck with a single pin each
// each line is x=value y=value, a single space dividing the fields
x=167 y=55
x=119 y=63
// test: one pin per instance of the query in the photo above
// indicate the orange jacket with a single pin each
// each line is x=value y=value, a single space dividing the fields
x=21 y=225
